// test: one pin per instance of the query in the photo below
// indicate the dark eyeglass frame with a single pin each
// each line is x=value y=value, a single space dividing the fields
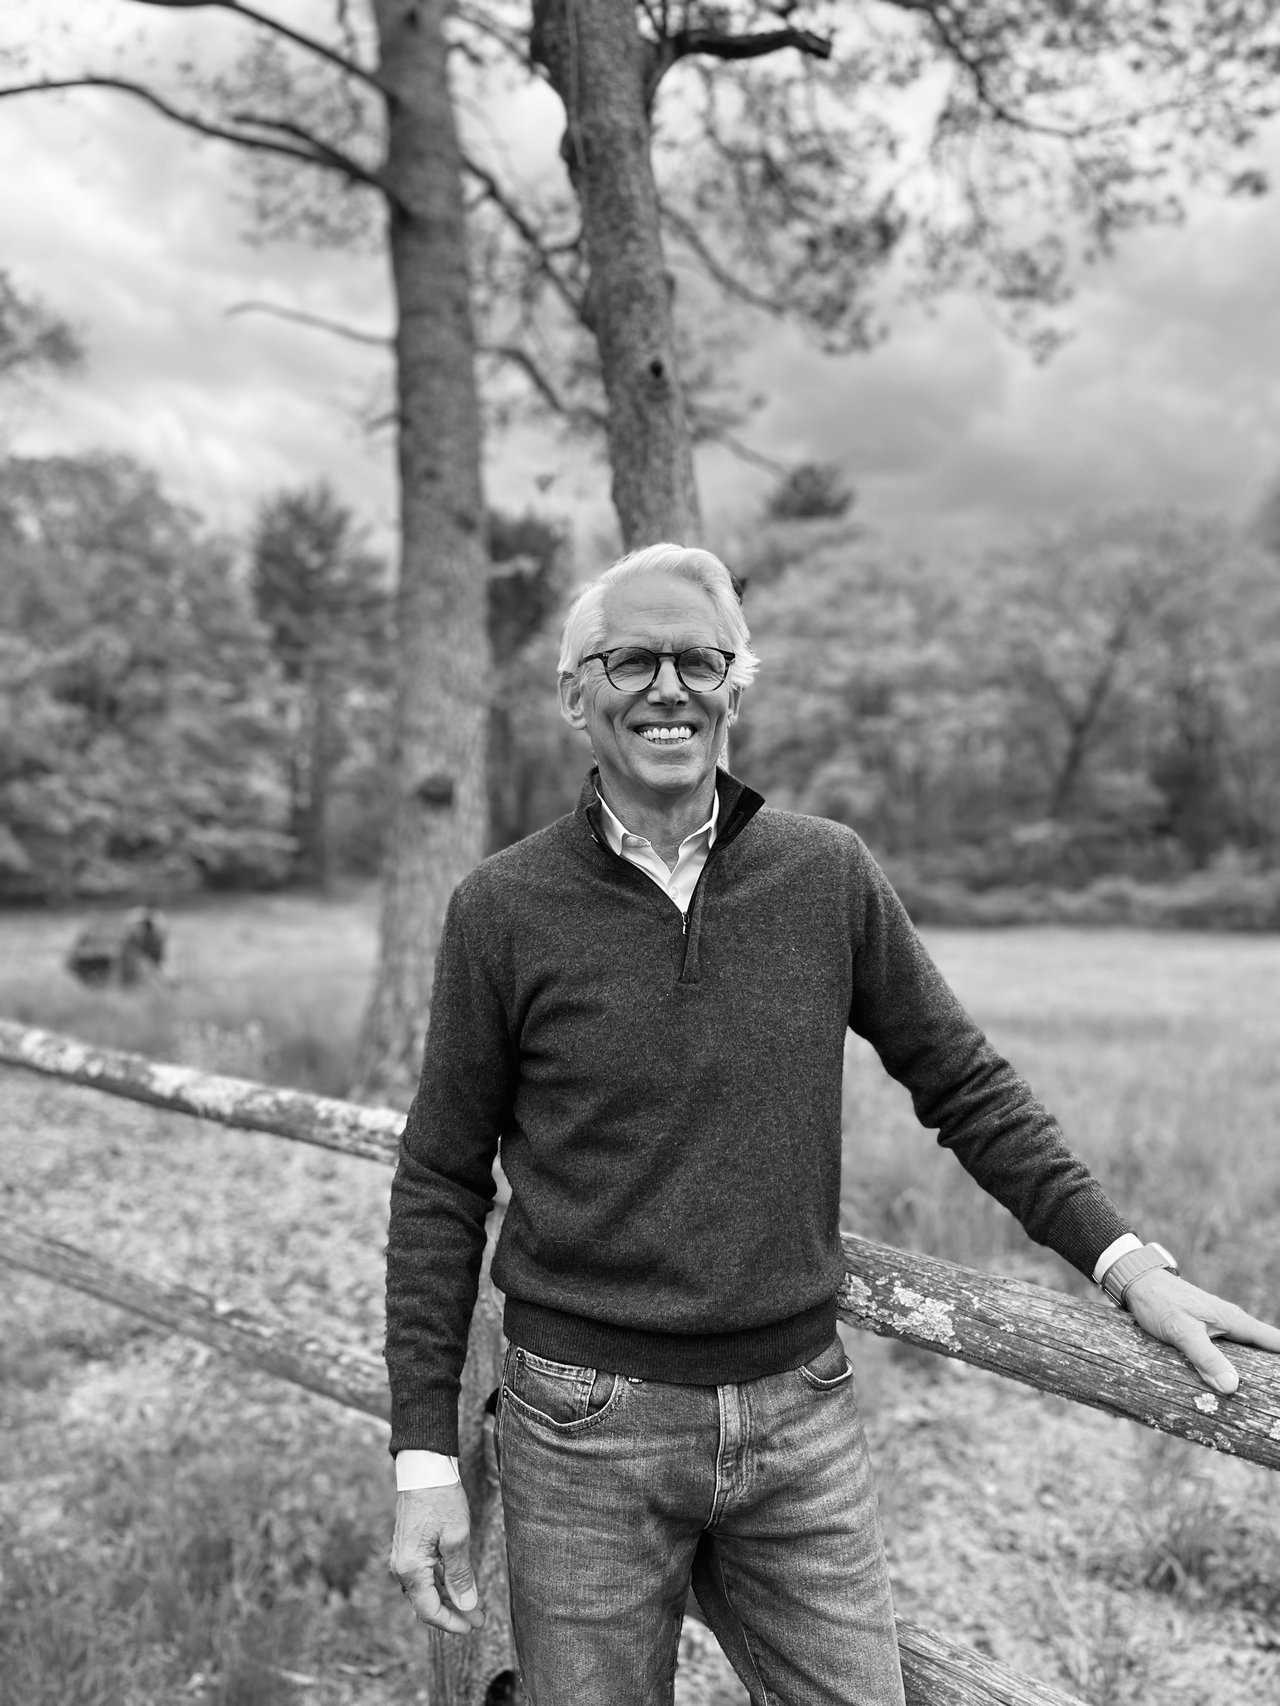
x=657 y=665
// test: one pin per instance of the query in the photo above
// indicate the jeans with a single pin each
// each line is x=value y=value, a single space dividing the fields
x=619 y=1492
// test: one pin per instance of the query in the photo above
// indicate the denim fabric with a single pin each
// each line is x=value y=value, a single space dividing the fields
x=619 y=1492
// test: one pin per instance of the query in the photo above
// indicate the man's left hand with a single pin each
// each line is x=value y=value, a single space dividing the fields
x=1189 y=1319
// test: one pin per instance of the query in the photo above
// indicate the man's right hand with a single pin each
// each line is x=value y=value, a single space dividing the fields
x=431 y=1558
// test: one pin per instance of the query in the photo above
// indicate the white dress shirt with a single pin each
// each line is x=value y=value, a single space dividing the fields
x=678 y=882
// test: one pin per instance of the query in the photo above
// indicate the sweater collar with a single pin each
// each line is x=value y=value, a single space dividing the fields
x=737 y=805
x=617 y=834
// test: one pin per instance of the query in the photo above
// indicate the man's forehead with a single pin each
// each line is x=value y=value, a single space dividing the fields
x=656 y=605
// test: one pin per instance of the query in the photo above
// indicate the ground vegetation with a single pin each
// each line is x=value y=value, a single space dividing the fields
x=172 y=1527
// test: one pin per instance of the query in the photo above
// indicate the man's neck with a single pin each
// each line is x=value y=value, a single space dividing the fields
x=664 y=825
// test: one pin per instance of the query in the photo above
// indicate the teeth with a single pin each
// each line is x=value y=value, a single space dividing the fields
x=667 y=736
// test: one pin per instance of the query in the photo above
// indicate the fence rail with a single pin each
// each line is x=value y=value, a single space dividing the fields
x=937 y=1671
x=1087 y=1352
x=349 y=1377
x=1091 y=1353
x=371 y=1133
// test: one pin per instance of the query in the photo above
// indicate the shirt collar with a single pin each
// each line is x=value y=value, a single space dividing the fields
x=615 y=830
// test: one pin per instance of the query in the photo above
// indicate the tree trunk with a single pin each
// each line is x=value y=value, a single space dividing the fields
x=1083 y=723
x=312 y=809
x=437 y=830
x=296 y=722
x=598 y=66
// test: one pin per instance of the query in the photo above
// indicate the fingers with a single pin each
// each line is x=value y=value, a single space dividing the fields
x=455 y=1557
x=1225 y=1320
x=431 y=1559
x=1244 y=1329
x=1189 y=1319
x=434 y=1602
x=1191 y=1337
x=429 y=1608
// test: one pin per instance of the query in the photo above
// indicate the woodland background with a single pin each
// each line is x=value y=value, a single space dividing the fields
x=1069 y=723
x=1081 y=725
x=295 y=721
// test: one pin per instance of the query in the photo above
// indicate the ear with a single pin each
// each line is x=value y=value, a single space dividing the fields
x=571 y=702
x=735 y=705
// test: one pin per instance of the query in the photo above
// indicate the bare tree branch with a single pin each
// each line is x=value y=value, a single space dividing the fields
x=377 y=340
x=716 y=44
x=317 y=154
x=311 y=45
x=689 y=234
x=710 y=430
x=666 y=49
x=971 y=63
x=527 y=232
x=511 y=41
x=581 y=414
x=656 y=24
x=325 y=153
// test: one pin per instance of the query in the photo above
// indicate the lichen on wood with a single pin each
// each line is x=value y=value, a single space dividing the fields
x=371 y=1133
x=1091 y=1353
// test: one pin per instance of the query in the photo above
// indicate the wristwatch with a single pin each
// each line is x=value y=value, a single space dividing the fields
x=1125 y=1269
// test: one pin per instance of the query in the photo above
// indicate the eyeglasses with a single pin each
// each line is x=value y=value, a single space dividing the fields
x=634 y=669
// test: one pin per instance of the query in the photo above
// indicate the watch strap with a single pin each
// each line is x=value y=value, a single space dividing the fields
x=1125 y=1269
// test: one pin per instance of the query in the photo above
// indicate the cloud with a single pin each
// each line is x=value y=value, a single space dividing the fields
x=135 y=231
x=1168 y=393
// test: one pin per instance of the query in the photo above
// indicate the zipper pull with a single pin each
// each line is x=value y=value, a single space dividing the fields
x=684 y=922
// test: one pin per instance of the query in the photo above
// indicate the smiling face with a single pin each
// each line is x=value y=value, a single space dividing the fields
x=656 y=749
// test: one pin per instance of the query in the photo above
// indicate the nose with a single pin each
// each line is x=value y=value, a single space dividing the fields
x=667 y=684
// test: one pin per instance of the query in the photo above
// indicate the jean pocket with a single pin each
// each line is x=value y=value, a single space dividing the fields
x=557 y=1394
x=829 y=1369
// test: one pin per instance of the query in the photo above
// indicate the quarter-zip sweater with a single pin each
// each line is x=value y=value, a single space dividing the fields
x=666 y=1097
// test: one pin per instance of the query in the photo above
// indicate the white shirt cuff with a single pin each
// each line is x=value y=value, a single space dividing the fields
x=415 y=1469
x=1113 y=1252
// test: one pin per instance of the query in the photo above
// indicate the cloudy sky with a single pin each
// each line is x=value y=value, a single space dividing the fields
x=1169 y=391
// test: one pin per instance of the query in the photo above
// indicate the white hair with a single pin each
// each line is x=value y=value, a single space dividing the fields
x=584 y=625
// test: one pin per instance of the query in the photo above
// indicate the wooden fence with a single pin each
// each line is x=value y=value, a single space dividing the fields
x=1087 y=1352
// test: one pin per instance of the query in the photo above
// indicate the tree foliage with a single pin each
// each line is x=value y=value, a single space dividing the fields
x=824 y=161
x=33 y=340
x=139 y=746
x=1099 y=699
x=326 y=601
x=179 y=712
x=811 y=491
x=530 y=782
x=821 y=161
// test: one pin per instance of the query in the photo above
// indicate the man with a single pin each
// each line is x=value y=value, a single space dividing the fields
x=645 y=1006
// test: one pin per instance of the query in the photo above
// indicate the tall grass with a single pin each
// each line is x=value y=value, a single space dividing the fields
x=208 y=1566
x=224 y=1544
x=269 y=987
x=1156 y=1053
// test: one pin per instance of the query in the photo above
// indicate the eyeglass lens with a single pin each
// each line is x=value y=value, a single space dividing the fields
x=632 y=667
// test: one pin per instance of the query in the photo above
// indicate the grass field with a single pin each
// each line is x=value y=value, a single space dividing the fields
x=174 y=1528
